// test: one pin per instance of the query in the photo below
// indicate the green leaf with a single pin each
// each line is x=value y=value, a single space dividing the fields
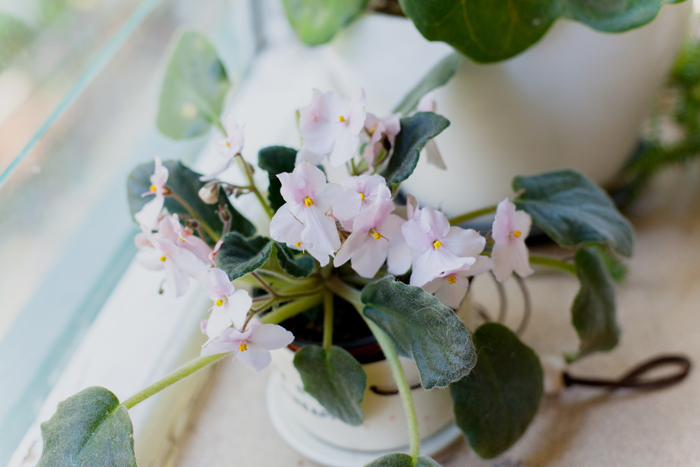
x=293 y=262
x=437 y=77
x=416 y=131
x=335 y=379
x=275 y=160
x=317 y=21
x=239 y=223
x=193 y=90
x=497 y=401
x=239 y=255
x=493 y=31
x=423 y=329
x=89 y=429
x=14 y=36
x=402 y=460
x=593 y=311
x=574 y=211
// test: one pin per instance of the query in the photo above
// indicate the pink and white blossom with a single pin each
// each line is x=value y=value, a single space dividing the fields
x=427 y=104
x=330 y=126
x=170 y=228
x=510 y=229
x=368 y=245
x=371 y=188
x=437 y=246
x=252 y=347
x=227 y=148
x=400 y=256
x=148 y=215
x=379 y=130
x=307 y=219
x=451 y=286
x=230 y=306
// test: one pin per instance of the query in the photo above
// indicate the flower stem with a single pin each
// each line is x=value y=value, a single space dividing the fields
x=252 y=186
x=174 y=377
x=553 y=263
x=327 y=320
x=292 y=309
x=472 y=215
x=192 y=212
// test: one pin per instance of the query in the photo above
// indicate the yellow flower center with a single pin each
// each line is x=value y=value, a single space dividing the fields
x=362 y=195
x=517 y=233
x=341 y=118
x=377 y=235
x=181 y=239
x=374 y=128
x=243 y=347
x=153 y=188
x=451 y=279
x=219 y=302
x=297 y=244
x=228 y=145
x=162 y=259
x=308 y=201
x=437 y=244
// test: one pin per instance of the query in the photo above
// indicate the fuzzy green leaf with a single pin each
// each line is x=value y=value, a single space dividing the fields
x=239 y=256
x=317 y=21
x=293 y=262
x=416 y=131
x=574 y=211
x=335 y=379
x=194 y=88
x=423 y=329
x=437 y=77
x=275 y=160
x=89 y=429
x=498 y=400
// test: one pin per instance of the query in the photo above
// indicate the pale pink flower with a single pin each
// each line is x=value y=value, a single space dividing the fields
x=380 y=129
x=307 y=219
x=331 y=126
x=230 y=305
x=400 y=255
x=371 y=188
x=368 y=245
x=427 y=104
x=437 y=246
x=170 y=228
x=149 y=214
x=227 y=148
x=217 y=247
x=451 y=286
x=510 y=229
x=252 y=346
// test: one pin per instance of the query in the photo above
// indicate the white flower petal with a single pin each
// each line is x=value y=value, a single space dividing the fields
x=271 y=336
x=256 y=358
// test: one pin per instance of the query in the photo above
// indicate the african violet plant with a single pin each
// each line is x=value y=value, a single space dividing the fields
x=346 y=249
x=483 y=31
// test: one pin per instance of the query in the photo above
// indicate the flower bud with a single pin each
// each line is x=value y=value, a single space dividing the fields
x=209 y=193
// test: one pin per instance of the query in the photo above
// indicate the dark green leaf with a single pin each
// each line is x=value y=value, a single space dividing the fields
x=89 y=429
x=335 y=379
x=239 y=255
x=421 y=328
x=402 y=460
x=493 y=31
x=438 y=76
x=194 y=88
x=574 y=211
x=593 y=311
x=317 y=21
x=14 y=36
x=238 y=222
x=275 y=160
x=498 y=400
x=416 y=131
x=293 y=262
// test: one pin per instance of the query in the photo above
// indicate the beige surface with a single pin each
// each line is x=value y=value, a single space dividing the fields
x=659 y=312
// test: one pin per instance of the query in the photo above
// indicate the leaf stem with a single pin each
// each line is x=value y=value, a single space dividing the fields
x=291 y=309
x=327 y=320
x=172 y=378
x=253 y=187
x=553 y=263
x=472 y=215
x=192 y=212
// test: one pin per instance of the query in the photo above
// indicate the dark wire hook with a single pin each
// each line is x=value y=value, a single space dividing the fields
x=633 y=380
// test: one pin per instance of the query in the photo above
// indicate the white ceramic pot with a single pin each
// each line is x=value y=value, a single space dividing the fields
x=575 y=99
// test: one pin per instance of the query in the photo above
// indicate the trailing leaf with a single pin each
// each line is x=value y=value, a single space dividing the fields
x=416 y=131
x=89 y=429
x=239 y=223
x=317 y=21
x=593 y=311
x=421 y=328
x=239 y=256
x=335 y=379
x=193 y=90
x=574 y=211
x=275 y=160
x=497 y=401
x=294 y=264
x=437 y=77
x=402 y=460
x=493 y=31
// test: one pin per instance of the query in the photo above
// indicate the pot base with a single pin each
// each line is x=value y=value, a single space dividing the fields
x=326 y=454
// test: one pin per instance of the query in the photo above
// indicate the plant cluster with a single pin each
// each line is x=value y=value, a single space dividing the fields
x=403 y=269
